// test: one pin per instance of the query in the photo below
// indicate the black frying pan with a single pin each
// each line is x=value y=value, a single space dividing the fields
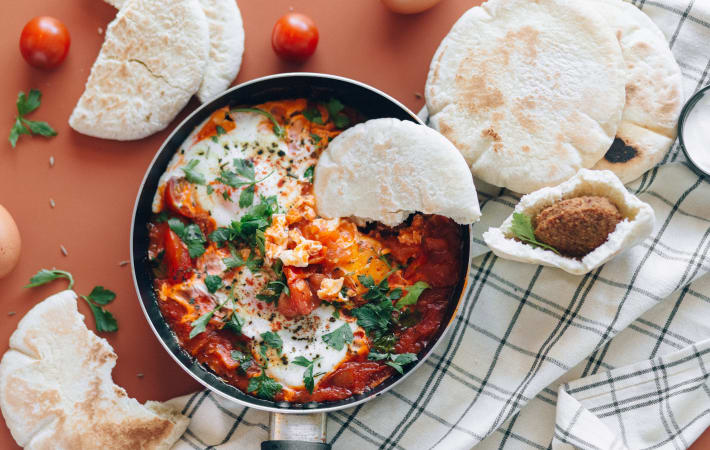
x=372 y=104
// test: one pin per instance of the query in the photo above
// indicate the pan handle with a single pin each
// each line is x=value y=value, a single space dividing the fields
x=296 y=432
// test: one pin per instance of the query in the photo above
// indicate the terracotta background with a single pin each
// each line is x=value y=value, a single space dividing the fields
x=94 y=182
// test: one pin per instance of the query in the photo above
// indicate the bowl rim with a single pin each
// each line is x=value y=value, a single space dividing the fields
x=684 y=113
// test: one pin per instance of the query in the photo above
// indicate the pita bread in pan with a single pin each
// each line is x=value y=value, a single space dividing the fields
x=386 y=169
x=226 y=45
x=636 y=226
x=529 y=92
x=150 y=64
x=654 y=93
x=56 y=390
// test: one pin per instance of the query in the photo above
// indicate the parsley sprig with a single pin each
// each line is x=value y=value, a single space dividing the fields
x=278 y=130
x=412 y=295
x=191 y=175
x=252 y=262
x=308 y=376
x=264 y=386
x=25 y=105
x=375 y=318
x=395 y=360
x=273 y=289
x=97 y=299
x=522 y=229
x=244 y=176
x=249 y=229
x=190 y=234
x=381 y=291
x=338 y=338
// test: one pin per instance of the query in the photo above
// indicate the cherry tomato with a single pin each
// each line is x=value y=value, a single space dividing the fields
x=295 y=37
x=44 y=42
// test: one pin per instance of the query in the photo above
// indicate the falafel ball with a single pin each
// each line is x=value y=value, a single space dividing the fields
x=577 y=226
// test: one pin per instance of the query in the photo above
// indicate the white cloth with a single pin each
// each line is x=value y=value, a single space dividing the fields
x=627 y=346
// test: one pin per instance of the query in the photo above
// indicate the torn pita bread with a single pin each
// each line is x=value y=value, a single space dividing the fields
x=56 y=390
x=386 y=169
x=529 y=92
x=151 y=63
x=636 y=226
x=654 y=93
x=226 y=45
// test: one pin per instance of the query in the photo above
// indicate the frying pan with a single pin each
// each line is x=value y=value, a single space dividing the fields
x=293 y=426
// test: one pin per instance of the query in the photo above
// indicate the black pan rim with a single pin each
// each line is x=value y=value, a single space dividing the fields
x=142 y=277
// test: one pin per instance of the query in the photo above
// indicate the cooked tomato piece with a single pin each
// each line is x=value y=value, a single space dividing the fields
x=356 y=376
x=177 y=257
x=302 y=299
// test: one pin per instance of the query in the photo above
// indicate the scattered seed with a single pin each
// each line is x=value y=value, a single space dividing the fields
x=101 y=30
x=51 y=161
x=11 y=313
x=123 y=263
x=64 y=250
x=417 y=95
x=139 y=375
x=51 y=203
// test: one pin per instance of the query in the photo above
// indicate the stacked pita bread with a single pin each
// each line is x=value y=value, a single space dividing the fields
x=156 y=55
x=56 y=389
x=532 y=92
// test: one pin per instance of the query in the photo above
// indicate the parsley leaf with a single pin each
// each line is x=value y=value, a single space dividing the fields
x=246 y=198
x=244 y=169
x=397 y=361
x=308 y=377
x=44 y=276
x=191 y=235
x=341 y=121
x=338 y=338
x=316 y=139
x=101 y=296
x=191 y=175
x=105 y=322
x=213 y=282
x=272 y=340
x=334 y=106
x=413 y=293
x=378 y=292
x=234 y=323
x=199 y=325
x=246 y=229
x=313 y=115
x=375 y=318
x=245 y=361
x=308 y=173
x=278 y=130
x=252 y=263
x=264 y=386
x=25 y=105
x=522 y=229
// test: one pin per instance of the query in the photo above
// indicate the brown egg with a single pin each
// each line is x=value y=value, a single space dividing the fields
x=409 y=6
x=9 y=242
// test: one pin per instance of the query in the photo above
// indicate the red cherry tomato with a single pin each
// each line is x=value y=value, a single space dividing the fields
x=295 y=37
x=44 y=42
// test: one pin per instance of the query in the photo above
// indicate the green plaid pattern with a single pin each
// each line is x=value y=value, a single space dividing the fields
x=538 y=358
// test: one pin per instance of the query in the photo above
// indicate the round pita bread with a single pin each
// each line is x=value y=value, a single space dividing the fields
x=636 y=226
x=386 y=169
x=150 y=64
x=654 y=93
x=56 y=389
x=226 y=45
x=529 y=92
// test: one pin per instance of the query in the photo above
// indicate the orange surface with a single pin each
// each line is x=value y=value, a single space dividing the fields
x=94 y=182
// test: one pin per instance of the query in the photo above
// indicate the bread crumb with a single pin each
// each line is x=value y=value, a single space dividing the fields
x=123 y=263
x=51 y=161
x=51 y=203
x=101 y=30
x=63 y=250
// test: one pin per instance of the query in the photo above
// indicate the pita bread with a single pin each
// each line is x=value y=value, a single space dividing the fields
x=654 y=93
x=226 y=45
x=386 y=169
x=150 y=64
x=56 y=390
x=529 y=92
x=636 y=226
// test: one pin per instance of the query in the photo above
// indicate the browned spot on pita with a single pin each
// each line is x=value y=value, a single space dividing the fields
x=620 y=152
x=528 y=37
x=437 y=66
x=491 y=133
x=526 y=149
x=476 y=94
x=522 y=110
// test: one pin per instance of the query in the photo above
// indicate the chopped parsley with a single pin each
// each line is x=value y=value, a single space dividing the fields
x=308 y=173
x=313 y=115
x=191 y=175
x=273 y=289
x=522 y=229
x=252 y=263
x=375 y=318
x=308 y=377
x=235 y=323
x=338 y=338
x=335 y=108
x=250 y=227
x=191 y=235
x=245 y=361
x=244 y=171
x=264 y=386
x=378 y=292
x=316 y=139
x=210 y=189
x=25 y=105
x=199 y=325
x=395 y=360
x=272 y=340
x=412 y=295
x=213 y=282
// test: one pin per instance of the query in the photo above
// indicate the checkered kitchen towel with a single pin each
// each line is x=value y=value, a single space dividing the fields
x=618 y=358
